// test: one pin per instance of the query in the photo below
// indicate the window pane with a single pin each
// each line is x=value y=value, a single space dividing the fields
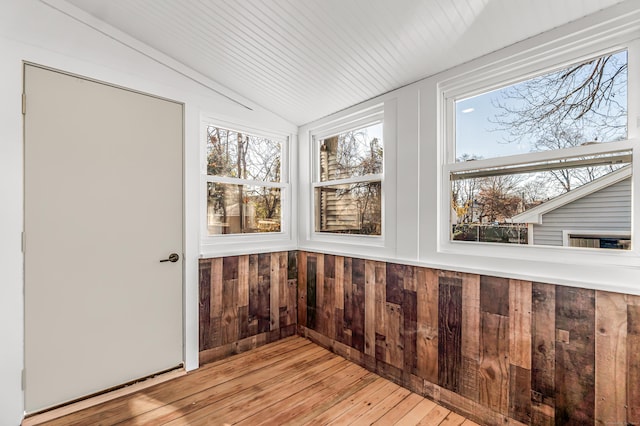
x=539 y=206
x=349 y=209
x=600 y=241
x=242 y=209
x=581 y=104
x=241 y=155
x=353 y=153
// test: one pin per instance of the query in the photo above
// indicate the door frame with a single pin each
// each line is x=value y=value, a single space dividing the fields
x=189 y=345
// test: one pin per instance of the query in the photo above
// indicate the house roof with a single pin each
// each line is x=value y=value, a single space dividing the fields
x=306 y=59
x=535 y=214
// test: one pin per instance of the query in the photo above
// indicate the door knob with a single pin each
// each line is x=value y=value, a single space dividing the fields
x=173 y=257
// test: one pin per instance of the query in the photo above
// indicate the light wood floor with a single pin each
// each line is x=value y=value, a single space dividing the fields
x=292 y=381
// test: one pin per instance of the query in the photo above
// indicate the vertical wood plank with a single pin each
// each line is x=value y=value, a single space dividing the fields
x=243 y=296
x=520 y=306
x=243 y=280
x=338 y=297
x=328 y=303
x=494 y=295
x=394 y=283
x=274 y=295
x=520 y=323
x=292 y=265
x=254 y=297
x=312 y=264
x=205 y=303
x=611 y=358
x=339 y=281
x=381 y=310
x=427 y=326
x=409 y=332
x=283 y=295
x=216 y=286
x=394 y=354
x=229 y=325
x=543 y=353
x=321 y=320
x=230 y=266
x=575 y=355
x=493 y=377
x=292 y=284
x=264 y=292
x=493 y=374
x=302 y=288
x=409 y=279
x=216 y=312
x=348 y=301
x=520 y=394
x=358 y=304
x=633 y=360
x=470 y=344
x=449 y=332
x=369 y=308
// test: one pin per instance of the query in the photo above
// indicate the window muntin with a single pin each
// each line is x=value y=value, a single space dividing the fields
x=245 y=184
x=348 y=186
x=516 y=169
x=559 y=109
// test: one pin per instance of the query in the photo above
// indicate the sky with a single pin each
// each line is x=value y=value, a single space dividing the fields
x=477 y=135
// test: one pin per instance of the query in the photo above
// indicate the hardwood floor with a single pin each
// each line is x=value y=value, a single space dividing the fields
x=292 y=381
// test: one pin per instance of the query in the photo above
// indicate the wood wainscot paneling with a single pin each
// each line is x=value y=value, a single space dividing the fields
x=246 y=301
x=499 y=351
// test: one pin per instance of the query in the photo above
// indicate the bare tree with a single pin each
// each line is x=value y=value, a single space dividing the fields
x=589 y=98
x=244 y=156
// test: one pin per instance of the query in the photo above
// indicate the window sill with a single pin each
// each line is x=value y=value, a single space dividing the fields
x=233 y=245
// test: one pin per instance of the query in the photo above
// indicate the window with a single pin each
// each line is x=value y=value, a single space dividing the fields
x=597 y=239
x=527 y=160
x=348 y=183
x=244 y=182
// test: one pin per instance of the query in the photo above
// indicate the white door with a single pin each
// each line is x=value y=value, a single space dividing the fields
x=103 y=206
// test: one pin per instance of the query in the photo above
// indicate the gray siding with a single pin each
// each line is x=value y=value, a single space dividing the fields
x=607 y=209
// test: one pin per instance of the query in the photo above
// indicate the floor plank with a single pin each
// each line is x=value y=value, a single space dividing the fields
x=290 y=382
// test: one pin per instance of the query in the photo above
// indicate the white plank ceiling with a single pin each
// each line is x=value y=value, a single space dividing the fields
x=305 y=59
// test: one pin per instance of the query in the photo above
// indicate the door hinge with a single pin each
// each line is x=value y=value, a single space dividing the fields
x=24 y=378
x=24 y=103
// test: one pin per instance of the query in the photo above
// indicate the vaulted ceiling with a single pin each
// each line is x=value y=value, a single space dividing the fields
x=305 y=59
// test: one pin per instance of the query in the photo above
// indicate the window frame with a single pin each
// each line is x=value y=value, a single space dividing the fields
x=316 y=140
x=508 y=71
x=228 y=244
x=382 y=110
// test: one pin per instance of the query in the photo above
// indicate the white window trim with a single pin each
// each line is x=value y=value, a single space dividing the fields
x=234 y=244
x=516 y=67
x=600 y=233
x=384 y=111
x=364 y=119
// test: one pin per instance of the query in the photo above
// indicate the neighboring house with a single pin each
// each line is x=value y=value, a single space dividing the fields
x=596 y=215
x=338 y=212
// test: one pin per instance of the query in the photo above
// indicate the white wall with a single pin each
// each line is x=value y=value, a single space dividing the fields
x=422 y=208
x=35 y=32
